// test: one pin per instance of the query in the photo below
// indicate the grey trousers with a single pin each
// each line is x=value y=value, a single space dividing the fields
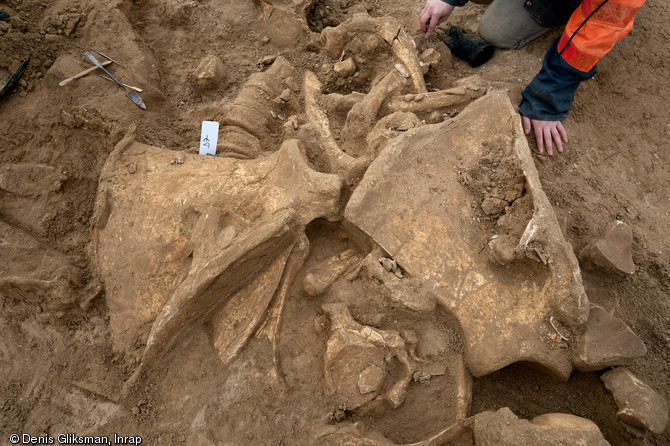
x=506 y=24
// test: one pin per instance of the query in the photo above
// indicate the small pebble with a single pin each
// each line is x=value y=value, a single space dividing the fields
x=268 y=60
x=285 y=95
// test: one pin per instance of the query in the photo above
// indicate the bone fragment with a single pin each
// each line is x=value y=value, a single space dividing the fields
x=449 y=434
x=235 y=322
x=393 y=193
x=348 y=356
x=345 y=68
x=363 y=116
x=244 y=124
x=219 y=279
x=429 y=58
x=334 y=39
x=464 y=392
x=342 y=103
x=326 y=273
x=346 y=331
x=437 y=100
x=195 y=278
x=402 y=70
x=402 y=45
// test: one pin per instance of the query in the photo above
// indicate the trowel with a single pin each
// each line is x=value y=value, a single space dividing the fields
x=131 y=94
x=9 y=83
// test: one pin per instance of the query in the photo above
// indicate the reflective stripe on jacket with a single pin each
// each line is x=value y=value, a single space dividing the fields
x=597 y=36
x=550 y=95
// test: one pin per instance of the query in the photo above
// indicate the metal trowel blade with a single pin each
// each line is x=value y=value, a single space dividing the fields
x=133 y=96
x=9 y=83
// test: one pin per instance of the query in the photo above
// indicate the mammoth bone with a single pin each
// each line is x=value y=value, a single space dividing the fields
x=183 y=240
x=384 y=96
x=356 y=357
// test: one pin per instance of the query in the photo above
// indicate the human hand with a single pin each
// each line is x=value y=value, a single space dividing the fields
x=545 y=132
x=435 y=12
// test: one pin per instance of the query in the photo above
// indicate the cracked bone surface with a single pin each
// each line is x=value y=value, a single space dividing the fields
x=356 y=357
x=271 y=325
x=363 y=115
x=420 y=200
x=404 y=48
x=465 y=90
x=244 y=124
x=336 y=41
x=179 y=235
x=500 y=428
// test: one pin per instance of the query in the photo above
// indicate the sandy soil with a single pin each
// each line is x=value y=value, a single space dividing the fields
x=60 y=372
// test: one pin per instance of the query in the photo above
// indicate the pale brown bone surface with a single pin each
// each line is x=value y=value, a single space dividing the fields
x=337 y=161
x=509 y=312
x=363 y=115
x=244 y=124
x=353 y=351
x=178 y=235
x=402 y=45
x=272 y=323
x=466 y=90
x=500 y=428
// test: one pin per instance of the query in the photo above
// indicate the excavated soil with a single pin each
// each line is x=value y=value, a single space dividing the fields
x=60 y=373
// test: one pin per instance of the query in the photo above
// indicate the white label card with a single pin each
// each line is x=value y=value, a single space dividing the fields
x=208 y=137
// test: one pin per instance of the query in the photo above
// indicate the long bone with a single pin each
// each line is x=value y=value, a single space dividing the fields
x=340 y=163
x=323 y=275
x=466 y=90
x=401 y=44
x=270 y=327
x=363 y=115
x=404 y=48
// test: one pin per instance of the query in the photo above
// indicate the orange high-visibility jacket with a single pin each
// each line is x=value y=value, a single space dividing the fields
x=591 y=32
x=599 y=33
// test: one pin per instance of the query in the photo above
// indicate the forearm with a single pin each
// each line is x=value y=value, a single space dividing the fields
x=456 y=2
x=550 y=95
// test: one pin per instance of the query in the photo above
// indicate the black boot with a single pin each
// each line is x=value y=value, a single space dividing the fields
x=467 y=46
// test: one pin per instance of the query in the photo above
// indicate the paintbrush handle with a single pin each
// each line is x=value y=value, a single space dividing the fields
x=83 y=73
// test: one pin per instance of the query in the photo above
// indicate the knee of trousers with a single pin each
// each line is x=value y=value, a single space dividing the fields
x=500 y=34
